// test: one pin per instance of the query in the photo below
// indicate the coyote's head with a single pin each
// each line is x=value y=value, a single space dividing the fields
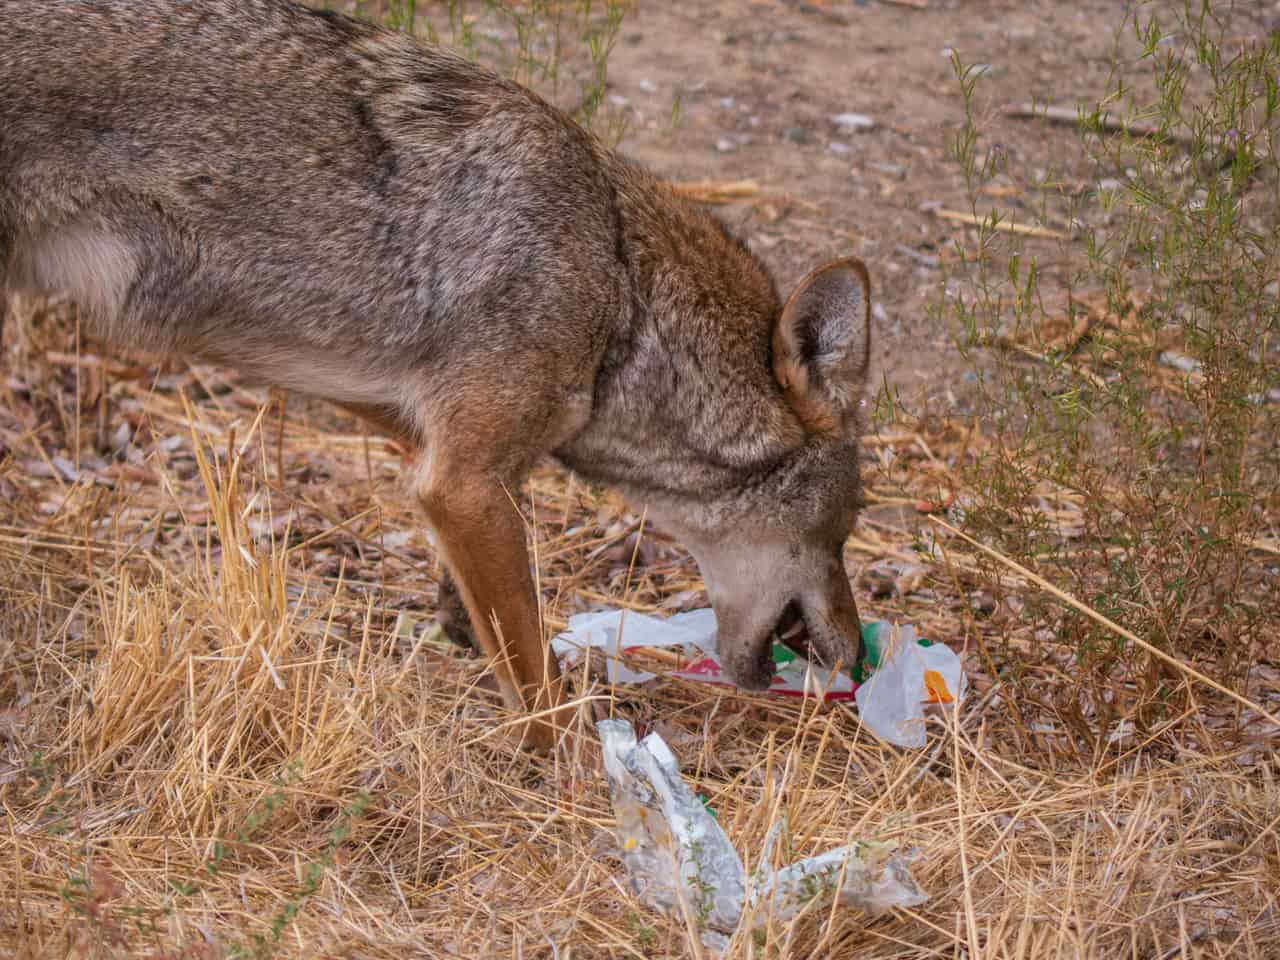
x=768 y=528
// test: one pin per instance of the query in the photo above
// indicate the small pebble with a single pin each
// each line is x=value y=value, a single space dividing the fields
x=725 y=145
x=1179 y=361
x=120 y=439
x=838 y=148
x=982 y=602
x=648 y=86
x=853 y=121
x=895 y=170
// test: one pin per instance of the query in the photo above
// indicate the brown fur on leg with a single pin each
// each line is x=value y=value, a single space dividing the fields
x=481 y=537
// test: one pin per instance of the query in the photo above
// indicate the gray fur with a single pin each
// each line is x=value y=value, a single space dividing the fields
x=341 y=210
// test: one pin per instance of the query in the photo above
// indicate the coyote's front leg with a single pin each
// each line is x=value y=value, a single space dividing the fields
x=478 y=441
x=481 y=537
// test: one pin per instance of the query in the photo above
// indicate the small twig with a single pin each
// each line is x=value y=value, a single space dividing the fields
x=712 y=192
x=345 y=527
x=1016 y=347
x=271 y=668
x=283 y=398
x=1070 y=116
x=1003 y=226
x=1266 y=546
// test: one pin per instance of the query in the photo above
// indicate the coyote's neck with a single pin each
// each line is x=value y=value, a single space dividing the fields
x=685 y=398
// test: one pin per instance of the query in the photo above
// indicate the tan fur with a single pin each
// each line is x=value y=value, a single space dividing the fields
x=814 y=411
x=459 y=483
x=79 y=259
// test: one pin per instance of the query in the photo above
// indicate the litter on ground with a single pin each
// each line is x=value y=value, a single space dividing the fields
x=680 y=861
x=908 y=674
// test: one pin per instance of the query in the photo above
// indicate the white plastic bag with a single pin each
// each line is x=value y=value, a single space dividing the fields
x=612 y=633
x=909 y=678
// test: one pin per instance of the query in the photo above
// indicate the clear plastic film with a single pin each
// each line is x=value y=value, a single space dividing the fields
x=680 y=861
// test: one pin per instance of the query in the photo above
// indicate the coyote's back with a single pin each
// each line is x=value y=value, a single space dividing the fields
x=258 y=176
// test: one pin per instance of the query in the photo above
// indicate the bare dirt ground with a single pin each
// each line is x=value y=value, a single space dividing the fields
x=228 y=729
x=742 y=90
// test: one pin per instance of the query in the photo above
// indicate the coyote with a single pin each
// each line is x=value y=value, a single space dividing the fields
x=339 y=209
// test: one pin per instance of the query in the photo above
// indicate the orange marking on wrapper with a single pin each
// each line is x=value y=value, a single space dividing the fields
x=937 y=687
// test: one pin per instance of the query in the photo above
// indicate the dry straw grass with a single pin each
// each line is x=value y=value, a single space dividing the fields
x=227 y=727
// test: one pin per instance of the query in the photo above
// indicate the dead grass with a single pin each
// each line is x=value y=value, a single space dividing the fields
x=226 y=727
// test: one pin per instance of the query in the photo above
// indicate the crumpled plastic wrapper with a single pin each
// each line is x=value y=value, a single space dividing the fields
x=911 y=675
x=614 y=632
x=680 y=861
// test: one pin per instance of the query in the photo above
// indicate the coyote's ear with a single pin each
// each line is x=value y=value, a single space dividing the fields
x=822 y=344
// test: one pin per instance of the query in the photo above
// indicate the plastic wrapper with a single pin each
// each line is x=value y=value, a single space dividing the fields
x=908 y=673
x=909 y=677
x=674 y=851
x=680 y=861
x=611 y=633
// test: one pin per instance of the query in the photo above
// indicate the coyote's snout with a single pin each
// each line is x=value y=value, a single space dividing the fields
x=339 y=210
